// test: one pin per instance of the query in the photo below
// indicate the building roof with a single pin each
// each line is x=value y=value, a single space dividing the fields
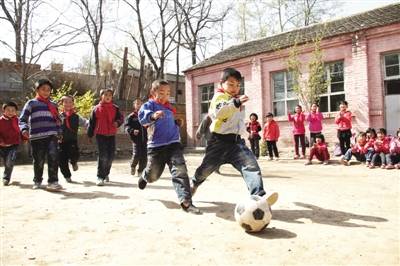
x=382 y=16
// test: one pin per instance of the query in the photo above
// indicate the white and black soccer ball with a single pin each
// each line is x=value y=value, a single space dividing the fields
x=253 y=214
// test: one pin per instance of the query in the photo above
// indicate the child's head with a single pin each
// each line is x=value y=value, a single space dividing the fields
x=319 y=138
x=67 y=102
x=298 y=109
x=10 y=109
x=381 y=134
x=160 y=90
x=106 y=95
x=253 y=117
x=361 y=137
x=43 y=88
x=270 y=117
x=371 y=133
x=343 y=106
x=230 y=81
x=137 y=103
x=314 y=107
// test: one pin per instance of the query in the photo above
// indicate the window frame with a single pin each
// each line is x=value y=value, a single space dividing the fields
x=285 y=99
x=385 y=77
x=328 y=93
x=210 y=87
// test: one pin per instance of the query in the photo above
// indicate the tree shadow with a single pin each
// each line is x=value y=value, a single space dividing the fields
x=125 y=185
x=324 y=216
x=264 y=176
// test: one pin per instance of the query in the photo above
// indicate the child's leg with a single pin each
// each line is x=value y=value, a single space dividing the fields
x=347 y=156
x=102 y=156
x=347 y=139
x=257 y=148
x=388 y=158
x=374 y=159
x=275 y=148
x=74 y=152
x=303 y=144
x=383 y=158
x=64 y=157
x=178 y=169
x=325 y=155
x=135 y=156
x=341 y=142
x=39 y=149
x=52 y=159
x=252 y=146
x=269 y=147
x=10 y=155
x=312 y=139
x=110 y=154
x=242 y=159
x=142 y=159
x=313 y=153
x=296 y=144
x=369 y=155
x=155 y=164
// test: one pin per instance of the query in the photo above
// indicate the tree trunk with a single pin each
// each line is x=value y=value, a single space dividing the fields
x=122 y=78
x=97 y=64
x=141 y=76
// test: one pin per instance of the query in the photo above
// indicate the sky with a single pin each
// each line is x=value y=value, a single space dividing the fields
x=113 y=38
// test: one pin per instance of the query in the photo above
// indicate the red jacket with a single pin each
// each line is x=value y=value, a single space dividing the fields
x=9 y=131
x=253 y=128
x=344 y=121
x=361 y=148
x=271 y=131
x=382 y=145
x=102 y=120
x=298 y=123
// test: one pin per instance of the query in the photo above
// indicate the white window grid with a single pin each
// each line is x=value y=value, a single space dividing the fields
x=385 y=66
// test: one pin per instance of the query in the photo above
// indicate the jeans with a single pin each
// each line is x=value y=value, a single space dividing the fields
x=9 y=155
x=139 y=156
x=69 y=152
x=171 y=155
x=344 y=140
x=42 y=148
x=368 y=156
x=384 y=158
x=359 y=156
x=255 y=146
x=312 y=138
x=271 y=146
x=302 y=139
x=321 y=154
x=219 y=152
x=106 y=149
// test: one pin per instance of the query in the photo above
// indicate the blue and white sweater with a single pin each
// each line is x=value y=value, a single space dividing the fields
x=37 y=119
x=163 y=131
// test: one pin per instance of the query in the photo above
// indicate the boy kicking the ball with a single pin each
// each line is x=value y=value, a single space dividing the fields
x=163 y=146
x=226 y=144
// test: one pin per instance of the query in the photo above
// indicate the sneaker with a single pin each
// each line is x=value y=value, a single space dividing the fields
x=344 y=162
x=270 y=159
x=54 y=186
x=296 y=157
x=276 y=158
x=75 y=166
x=272 y=198
x=371 y=166
x=308 y=162
x=398 y=166
x=325 y=162
x=133 y=171
x=303 y=157
x=190 y=208
x=100 y=182
x=383 y=166
x=142 y=183
x=68 y=179
x=107 y=179
x=390 y=166
x=37 y=185
x=6 y=182
x=367 y=164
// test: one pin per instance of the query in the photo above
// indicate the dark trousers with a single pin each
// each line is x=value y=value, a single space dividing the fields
x=69 y=153
x=42 y=149
x=255 y=146
x=9 y=155
x=359 y=156
x=300 y=139
x=219 y=152
x=271 y=146
x=106 y=149
x=344 y=140
x=139 y=156
x=171 y=155
x=321 y=154
x=312 y=138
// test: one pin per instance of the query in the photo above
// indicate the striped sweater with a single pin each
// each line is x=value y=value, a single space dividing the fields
x=38 y=120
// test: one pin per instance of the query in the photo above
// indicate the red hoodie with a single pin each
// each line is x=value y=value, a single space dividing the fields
x=344 y=121
x=298 y=123
x=253 y=127
x=360 y=147
x=382 y=145
x=271 y=131
x=9 y=131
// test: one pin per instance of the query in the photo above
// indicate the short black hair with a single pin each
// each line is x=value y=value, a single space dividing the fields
x=230 y=72
x=254 y=115
x=40 y=82
x=320 y=136
x=371 y=130
x=10 y=104
x=103 y=91
x=67 y=96
x=269 y=114
x=344 y=102
x=361 y=134
x=382 y=131
x=316 y=103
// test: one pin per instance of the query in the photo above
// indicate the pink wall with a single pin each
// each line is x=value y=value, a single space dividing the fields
x=362 y=78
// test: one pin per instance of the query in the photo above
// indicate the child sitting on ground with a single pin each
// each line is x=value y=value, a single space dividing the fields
x=319 y=150
x=381 y=149
x=395 y=151
x=359 y=150
x=371 y=137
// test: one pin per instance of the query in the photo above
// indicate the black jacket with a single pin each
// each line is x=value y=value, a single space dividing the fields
x=131 y=124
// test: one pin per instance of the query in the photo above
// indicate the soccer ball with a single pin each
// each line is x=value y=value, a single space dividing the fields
x=253 y=214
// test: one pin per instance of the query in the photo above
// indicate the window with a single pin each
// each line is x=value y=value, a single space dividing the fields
x=392 y=66
x=334 y=94
x=206 y=94
x=284 y=97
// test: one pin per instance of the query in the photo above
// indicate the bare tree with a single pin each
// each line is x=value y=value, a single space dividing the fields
x=94 y=21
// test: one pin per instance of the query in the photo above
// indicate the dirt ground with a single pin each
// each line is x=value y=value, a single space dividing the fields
x=326 y=215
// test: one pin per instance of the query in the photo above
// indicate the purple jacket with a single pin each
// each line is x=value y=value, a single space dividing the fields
x=315 y=122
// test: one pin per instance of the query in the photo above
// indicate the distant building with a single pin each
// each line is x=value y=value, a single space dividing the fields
x=362 y=58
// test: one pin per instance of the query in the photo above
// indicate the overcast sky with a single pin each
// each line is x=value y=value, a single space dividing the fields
x=122 y=18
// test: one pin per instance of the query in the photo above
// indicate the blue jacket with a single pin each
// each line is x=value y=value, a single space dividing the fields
x=163 y=131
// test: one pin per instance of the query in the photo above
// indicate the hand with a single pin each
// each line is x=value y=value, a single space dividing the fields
x=135 y=132
x=60 y=138
x=25 y=135
x=158 y=114
x=115 y=124
x=243 y=99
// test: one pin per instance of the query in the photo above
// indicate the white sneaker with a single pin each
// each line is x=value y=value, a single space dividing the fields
x=100 y=182
x=37 y=185
x=54 y=186
x=271 y=199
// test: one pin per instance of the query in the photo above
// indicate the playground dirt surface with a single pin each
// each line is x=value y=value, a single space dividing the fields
x=325 y=215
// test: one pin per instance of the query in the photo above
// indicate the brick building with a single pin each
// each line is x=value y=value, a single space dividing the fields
x=361 y=54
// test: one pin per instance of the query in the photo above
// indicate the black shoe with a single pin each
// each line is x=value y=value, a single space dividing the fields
x=68 y=179
x=6 y=182
x=190 y=208
x=142 y=183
